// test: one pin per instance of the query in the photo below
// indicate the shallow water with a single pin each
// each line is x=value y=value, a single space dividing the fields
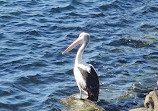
x=34 y=75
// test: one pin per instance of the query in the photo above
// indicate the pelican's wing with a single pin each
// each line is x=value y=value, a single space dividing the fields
x=92 y=82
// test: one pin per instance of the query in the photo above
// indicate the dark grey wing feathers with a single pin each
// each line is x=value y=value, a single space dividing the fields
x=93 y=85
x=84 y=76
x=84 y=73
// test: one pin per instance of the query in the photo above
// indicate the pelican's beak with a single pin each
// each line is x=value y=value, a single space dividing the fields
x=73 y=45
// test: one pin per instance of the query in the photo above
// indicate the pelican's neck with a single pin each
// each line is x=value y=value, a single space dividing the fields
x=78 y=59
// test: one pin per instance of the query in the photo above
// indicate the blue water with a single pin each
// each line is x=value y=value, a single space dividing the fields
x=34 y=75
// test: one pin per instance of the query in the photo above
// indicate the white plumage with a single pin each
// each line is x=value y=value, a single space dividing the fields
x=85 y=76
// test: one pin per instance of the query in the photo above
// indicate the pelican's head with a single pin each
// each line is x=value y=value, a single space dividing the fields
x=82 y=39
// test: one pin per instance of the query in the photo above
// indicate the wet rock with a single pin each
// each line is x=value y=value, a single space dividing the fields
x=75 y=104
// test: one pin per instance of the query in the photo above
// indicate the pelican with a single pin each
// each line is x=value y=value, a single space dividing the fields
x=85 y=76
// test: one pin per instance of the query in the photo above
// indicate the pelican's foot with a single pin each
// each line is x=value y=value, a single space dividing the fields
x=77 y=96
x=84 y=96
x=81 y=99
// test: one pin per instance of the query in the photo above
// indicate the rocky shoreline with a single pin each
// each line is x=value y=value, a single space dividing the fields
x=75 y=104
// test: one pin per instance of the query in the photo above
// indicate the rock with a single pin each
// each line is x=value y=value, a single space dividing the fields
x=75 y=104
x=151 y=101
x=139 y=109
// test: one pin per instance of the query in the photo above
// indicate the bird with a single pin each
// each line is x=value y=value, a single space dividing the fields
x=85 y=75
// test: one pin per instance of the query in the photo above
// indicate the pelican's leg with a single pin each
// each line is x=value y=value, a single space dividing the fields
x=80 y=94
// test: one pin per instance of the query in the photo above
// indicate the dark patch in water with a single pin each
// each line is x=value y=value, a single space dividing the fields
x=61 y=9
x=2 y=36
x=147 y=27
x=108 y=6
x=130 y=43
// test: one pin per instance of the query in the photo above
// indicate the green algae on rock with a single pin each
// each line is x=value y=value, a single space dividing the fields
x=75 y=104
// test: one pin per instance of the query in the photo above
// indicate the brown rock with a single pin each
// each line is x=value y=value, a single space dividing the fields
x=139 y=109
x=151 y=101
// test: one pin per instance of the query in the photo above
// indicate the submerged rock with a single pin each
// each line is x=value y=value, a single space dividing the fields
x=75 y=104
